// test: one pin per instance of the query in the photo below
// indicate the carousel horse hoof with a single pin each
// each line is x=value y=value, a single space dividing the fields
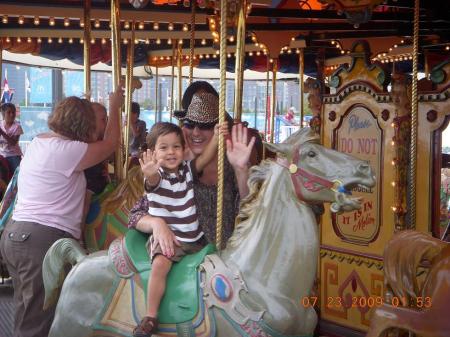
x=146 y=328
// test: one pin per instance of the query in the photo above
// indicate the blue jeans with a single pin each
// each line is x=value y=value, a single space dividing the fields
x=13 y=162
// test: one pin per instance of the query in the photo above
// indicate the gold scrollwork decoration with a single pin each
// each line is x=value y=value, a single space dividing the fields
x=351 y=259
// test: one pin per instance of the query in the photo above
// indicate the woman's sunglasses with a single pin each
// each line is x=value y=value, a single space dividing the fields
x=202 y=126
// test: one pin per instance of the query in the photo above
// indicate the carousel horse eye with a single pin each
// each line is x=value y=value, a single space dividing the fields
x=311 y=154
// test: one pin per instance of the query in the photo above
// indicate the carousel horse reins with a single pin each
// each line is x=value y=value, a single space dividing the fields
x=311 y=182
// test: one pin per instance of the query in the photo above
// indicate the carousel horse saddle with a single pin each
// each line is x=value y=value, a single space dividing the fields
x=181 y=299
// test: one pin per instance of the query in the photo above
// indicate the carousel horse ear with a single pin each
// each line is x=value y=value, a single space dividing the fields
x=281 y=148
x=139 y=3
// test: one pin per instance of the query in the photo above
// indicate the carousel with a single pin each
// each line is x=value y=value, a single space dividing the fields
x=374 y=261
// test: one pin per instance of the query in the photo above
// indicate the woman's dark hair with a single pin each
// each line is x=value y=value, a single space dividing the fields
x=6 y=106
x=162 y=129
x=73 y=118
x=135 y=108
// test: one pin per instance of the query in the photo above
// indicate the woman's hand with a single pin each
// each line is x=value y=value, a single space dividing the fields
x=238 y=151
x=117 y=98
x=221 y=129
x=165 y=237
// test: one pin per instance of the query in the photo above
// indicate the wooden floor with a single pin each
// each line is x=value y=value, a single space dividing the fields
x=6 y=309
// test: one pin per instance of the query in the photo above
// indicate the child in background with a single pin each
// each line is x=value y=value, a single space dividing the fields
x=10 y=131
x=168 y=181
x=138 y=130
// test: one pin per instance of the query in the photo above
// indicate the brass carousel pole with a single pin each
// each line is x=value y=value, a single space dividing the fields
x=192 y=43
x=222 y=96
x=274 y=99
x=267 y=97
x=414 y=112
x=87 y=48
x=156 y=93
x=180 y=76
x=172 y=86
x=301 y=73
x=266 y=120
x=129 y=98
x=116 y=72
x=1 y=62
x=240 y=57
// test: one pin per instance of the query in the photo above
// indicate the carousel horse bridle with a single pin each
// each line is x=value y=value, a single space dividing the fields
x=311 y=182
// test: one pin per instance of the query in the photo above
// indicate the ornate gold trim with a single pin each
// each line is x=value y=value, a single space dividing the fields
x=351 y=259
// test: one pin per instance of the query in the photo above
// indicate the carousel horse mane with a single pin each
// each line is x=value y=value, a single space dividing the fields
x=108 y=214
x=401 y=261
x=257 y=176
x=127 y=192
x=416 y=269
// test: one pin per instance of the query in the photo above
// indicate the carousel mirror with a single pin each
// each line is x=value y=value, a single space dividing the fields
x=442 y=227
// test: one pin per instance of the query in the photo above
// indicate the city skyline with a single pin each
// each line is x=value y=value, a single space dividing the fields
x=254 y=91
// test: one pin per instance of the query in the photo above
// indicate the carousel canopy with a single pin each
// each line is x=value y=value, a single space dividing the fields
x=325 y=30
x=138 y=71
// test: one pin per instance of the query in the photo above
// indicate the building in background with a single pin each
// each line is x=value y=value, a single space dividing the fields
x=37 y=89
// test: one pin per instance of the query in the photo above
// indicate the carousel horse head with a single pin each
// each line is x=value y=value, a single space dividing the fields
x=320 y=174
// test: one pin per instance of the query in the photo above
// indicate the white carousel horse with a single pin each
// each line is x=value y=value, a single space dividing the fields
x=254 y=286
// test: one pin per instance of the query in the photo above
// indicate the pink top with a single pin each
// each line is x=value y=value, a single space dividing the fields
x=7 y=150
x=50 y=191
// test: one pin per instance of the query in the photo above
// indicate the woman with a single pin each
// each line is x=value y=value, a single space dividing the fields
x=51 y=191
x=198 y=127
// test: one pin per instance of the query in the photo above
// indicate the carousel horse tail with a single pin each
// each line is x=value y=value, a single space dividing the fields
x=403 y=255
x=61 y=253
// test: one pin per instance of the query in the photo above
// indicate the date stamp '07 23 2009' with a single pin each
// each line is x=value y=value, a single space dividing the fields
x=362 y=302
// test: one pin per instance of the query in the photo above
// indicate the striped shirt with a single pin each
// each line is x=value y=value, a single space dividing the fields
x=173 y=200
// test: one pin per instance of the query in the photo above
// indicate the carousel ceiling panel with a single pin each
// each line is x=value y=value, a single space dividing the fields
x=315 y=25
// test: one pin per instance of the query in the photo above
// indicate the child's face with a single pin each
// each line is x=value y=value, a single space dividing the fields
x=170 y=149
x=134 y=118
x=9 y=116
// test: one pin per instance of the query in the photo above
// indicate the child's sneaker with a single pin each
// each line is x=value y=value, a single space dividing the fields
x=146 y=327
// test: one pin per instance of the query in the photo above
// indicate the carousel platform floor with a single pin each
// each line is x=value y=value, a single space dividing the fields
x=6 y=309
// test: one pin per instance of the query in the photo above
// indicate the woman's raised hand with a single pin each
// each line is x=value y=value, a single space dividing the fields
x=149 y=165
x=238 y=148
x=221 y=129
x=116 y=98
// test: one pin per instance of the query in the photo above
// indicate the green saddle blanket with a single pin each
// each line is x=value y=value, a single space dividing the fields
x=180 y=301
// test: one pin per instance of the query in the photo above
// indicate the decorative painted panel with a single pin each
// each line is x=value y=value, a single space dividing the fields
x=360 y=135
x=351 y=289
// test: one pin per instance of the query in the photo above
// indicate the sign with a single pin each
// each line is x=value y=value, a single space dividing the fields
x=360 y=136
x=41 y=85
x=33 y=121
x=74 y=83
